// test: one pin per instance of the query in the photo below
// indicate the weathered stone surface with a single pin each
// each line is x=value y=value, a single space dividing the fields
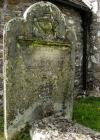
x=73 y=18
x=51 y=134
x=94 y=55
x=56 y=127
x=38 y=66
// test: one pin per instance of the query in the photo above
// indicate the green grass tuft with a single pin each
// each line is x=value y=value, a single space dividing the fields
x=87 y=112
x=24 y=134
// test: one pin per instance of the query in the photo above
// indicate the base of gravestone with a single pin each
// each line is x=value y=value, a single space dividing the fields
x=36 y=113
x=56 y=127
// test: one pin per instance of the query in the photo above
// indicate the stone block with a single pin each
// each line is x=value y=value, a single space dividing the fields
x=39 y=67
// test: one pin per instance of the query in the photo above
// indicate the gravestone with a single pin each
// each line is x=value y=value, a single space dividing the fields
x=38 y=67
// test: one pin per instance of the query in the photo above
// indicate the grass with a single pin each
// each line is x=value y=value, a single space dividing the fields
x=24 y=134
x=87 y=112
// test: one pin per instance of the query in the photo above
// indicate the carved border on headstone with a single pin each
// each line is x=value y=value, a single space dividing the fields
x=42 y=21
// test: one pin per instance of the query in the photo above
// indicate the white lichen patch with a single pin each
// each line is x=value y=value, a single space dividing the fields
x=57 y=127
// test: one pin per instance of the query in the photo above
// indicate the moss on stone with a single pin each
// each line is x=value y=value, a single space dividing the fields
x=43 y=43
x=51 y=44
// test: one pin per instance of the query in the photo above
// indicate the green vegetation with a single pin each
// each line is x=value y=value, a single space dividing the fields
x=1 y=124
x=24 y=134
x=87 y=112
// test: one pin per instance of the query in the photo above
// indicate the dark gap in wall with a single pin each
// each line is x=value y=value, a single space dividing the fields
x=69 y=5
x=84 y=67
x=86 y=22
x=90 y=51
x=77 y=5
x=1 y=3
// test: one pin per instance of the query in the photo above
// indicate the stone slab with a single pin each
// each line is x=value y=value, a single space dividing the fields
x=38 y=67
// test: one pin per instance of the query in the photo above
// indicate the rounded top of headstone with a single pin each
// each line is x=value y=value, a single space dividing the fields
x=41 y=21
x=46 y=20
x=42 y=8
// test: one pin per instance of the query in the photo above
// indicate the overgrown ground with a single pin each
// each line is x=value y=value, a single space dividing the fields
x=86 y=112
x=24 y=134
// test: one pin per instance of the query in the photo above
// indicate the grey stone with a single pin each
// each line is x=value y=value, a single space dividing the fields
x=38 y=66
x=56 y=127
x=9 y=11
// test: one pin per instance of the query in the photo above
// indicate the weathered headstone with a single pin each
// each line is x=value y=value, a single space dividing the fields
x=38 y=66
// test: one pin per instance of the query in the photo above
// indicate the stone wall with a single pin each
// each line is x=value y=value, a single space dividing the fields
x=94 y=53
x=74 y=22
